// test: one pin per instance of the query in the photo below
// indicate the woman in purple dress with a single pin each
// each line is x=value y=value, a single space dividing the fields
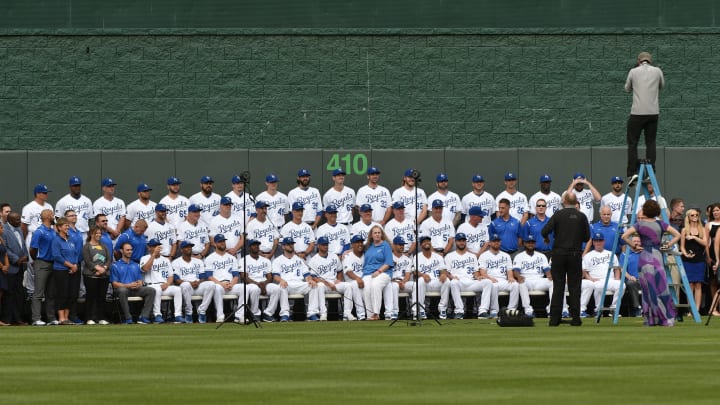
x=658 y=307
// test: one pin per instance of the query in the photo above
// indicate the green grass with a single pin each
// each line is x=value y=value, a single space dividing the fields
x=361 y=362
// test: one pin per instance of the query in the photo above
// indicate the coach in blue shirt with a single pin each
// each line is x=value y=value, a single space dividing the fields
x=507 y=227
x=137 y=239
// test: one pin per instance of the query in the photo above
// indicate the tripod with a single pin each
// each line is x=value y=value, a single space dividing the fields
x=713 y=306
x=419 y=308
x=249 y=317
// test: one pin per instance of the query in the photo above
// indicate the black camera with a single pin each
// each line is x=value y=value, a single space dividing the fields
x=415 y=174
x=245 y=177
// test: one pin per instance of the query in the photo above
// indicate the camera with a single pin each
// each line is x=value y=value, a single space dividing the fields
x=415 y=174
x=245 y=177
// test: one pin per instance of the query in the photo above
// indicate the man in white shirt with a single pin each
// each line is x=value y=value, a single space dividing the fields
x=162 y=231
x=258 y=272
x=222 y=268
x=206 y=199
x=478 y=197
x=615 y=198
x=401 y=226
x=337 y=234
x=278 y=203
x=415 y=210
x=309 y=196
x=475 y=231
x=552 y=199
x=432 y=273
x=401 y=278
x=229 y=226
x=261 y=229
x=439 y=229
x=78 y=202
x=586 y=197
x=242 y=202
x=342 y=197
x=595 y=268
x=519 y=206
x=159 y=276
x=363 y=226
x=451 y=202
x=464 y=274
x=143 y=207
x=189 y=274
x=301 y=232
x=496 y=266
x=30 y=216
x=195 y=231
x=293 y=277
x=375 y=195
x=326 y=269
x=112 y=207
x=176 y=203
x=530 y=268
x=353 y=262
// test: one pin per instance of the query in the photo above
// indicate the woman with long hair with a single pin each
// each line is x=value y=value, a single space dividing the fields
x=96 y=272
x=377 y=271
x=713 y=250
x=693 y=243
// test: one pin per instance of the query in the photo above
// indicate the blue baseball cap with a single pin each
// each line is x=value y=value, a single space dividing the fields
x=194 y=208
x=545 y=178
x=219 y=238
x=261 y=204
x=409 y=172
x=366 y=208
x=160 y=207
x=154 y=242
x=225 y=201
x=271 y=178
x=437 y=204
x=441 y=177
x=303 y=172
x=398 y=240
x=398 y=205
x=236 y=179
x=206 y=179
x=143 y=187
x=298 y=206
x=616 y=179
x=173 y=180
x=323 y=240
x=510 y=176
x=373 y=170
x=74 y=181
x=251 y=242
x=337 y=172
x=107 y=182
x=598 y=236
x=41 y=188
x=528 y=239
x=494 y=237
x=478 y=179
x=330 y=209
x=578 y=175
x=476 y=210
x=185 y=244
x=287 y=241
x=460 y=236
x=357 y=238
x=424 y=238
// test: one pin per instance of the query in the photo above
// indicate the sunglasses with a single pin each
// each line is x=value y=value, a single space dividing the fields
x=541 y=206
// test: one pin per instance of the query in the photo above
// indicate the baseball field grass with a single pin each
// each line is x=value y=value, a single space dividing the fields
x=462 y=361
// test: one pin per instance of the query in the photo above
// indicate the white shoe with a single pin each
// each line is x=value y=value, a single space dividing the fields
x=103 y=322
x=90 y=322
x=323 y=317
x=54 y=323
x=39 y=323
x=349 y=317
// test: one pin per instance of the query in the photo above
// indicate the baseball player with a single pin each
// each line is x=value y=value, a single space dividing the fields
x=363 y=226
x=478 y=197
x=401 y=278
x=342 y=197
x=475 y=231
x=451 y=202
x=464 y=275
x=375 y=195
x=30 y=216
x=206 y=199
x=401 y=226
x=189 y=274
x=293 y=277
x=440 y=230
x=651 y=191
x=309 y=196
x=326 y=270
x=77 y=202
x=519 y=206
x=143 y=207
x=278 y=203
x=552 y=199
x=229 y=226
x=258 y=270
x=158 y=274
x=595 y=267
x=353 y=263
x=406 y=194
x=242 y=202
x=194 y=231
x=529 y=269
x=615 y=198
x=261 y=229
x=338 y=235
x=432 y=274
x=221 y=267
x=175 y=202
x=586 y=197
x=301 y=232
x=112 y=207
x=496 y=266
x=162 y=231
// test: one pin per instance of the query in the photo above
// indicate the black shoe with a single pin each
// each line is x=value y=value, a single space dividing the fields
x=576 y=322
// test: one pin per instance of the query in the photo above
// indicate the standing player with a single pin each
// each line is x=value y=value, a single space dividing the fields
x=143 y=207
x=402 y=227
x=338 y=235
x=293 y=277
x=208 y=201
x=519 y=207
x=450 y=200
x=161 y=230
x=552 y=199
x=258 y=272
x=342 y=197
x=529 y=269
x=78 y=202
x=195 y=232
x=278 y=203
x=586 y=197
x=464 y=274
x=242 y=202
x=615 y=198
x=228 y=226
x=375 y=195
x=159 y=276
x=478 y=197
x=496 y=266
x=440 y=230
x=189 y=274
x=432 y=273
x=353 y=263
x=112 y=207
x=309 y=196
x=475 y=231
x=406 y=194
x=30 y=215
x=176 y=203
x=262 y=230
x=301 y=232
x=326 y=269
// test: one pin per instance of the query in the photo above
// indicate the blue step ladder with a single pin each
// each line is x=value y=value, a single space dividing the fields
x=646 y=168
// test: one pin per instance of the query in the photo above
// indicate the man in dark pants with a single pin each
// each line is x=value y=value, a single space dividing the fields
x=645 y=82
x=570 y=228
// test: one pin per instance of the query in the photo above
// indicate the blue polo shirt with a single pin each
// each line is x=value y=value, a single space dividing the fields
x=633 y=267
x=138 y=242
x=106 y=240
x=376 y=256
x=124 y=272
x=63 y=251
x=608 y=231
x=42 y=240
x=77 y=238
x=509 y=232
x=534 y=227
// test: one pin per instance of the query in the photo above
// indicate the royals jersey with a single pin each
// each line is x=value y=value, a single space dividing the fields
x=301 y=233
x=30 y=215
x=531 y=266
x=160 y=270
x=263 y=231
x=325 y=267
x=485 y=200
x=362 y=229
x=137 y=210
x=164 y=233
x=403 y=265
x=378 y=198
x=585 y=201
x=338 y=235
x=210 y=205
x=198 y=235
x=310 y=197
x=477 y=236
x=518 y=203
x=463 y=265
x=553 y=201
x=231 y=228
x=439 y=232
x=257 y=269
x=451 y=204
x=113 y=209
x=176 y=208
x=596 y=263
x=243 y=203
x=290 y=269
x=82 y=207
x=407 y=197
x=354 y=264
x=343 y=200
x=432 y=265
x=615 y=202
x=497 y=264
x=194 y=270
x=405 y=229
x=223 y=267
x=278 y=207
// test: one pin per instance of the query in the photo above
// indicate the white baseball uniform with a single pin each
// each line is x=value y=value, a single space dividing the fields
x=82 y=207
x=113 y=209
x=310 y=197
x=30 y=215
x=615 y=202
x=194 y=270
x=265 y=232
x=327 y=268
x=210 y=205
x=405 y=229
x=462 y=268
x=586 y=202
x=378 y=198
x=451 y=204
x=224 y=267
x=552 y=199
x=158 y=274
x=431 y=266
x=407 y=197
x=231 y=228
x=301 y=233
x=484 y=200
x=362 y=229
x=596 y=264
x=176 y=208
x=403 y=265
x=518 y=203
x=198 y=235
x=137 y=210
x=439 y=232
x=532 y=268
x=294 y=271
x=497 y=266
x=164 y=233
x=242 y=203
x=337 y=234
x=278 y=207
x=477 y=236
x=354 y=264
x=257 y=270
x=343 y=200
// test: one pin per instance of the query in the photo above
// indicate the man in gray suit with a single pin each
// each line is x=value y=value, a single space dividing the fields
x=17 y=252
